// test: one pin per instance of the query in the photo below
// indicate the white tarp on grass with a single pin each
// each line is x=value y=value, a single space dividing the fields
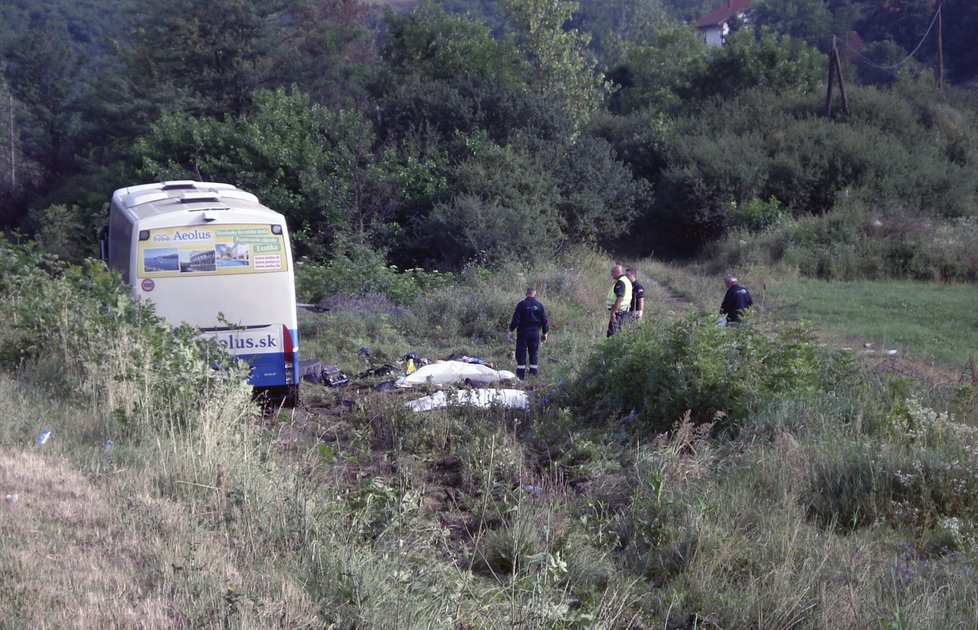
x=450 y=372
x=509 y=398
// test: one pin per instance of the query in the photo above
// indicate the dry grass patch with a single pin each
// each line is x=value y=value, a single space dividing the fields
x=112 y=552
x=67 y=560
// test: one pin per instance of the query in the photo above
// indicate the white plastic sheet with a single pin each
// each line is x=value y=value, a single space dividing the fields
x=509 y=398
x=450 y=372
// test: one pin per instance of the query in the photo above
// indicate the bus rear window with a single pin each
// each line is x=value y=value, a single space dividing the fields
x=212 y=250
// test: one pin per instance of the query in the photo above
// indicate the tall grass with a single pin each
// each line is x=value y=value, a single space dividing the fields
x=828 y=503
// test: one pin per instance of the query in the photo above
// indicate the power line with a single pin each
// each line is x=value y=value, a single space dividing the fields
x=866 y=60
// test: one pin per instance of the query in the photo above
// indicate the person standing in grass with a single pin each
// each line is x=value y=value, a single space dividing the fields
x=637 y=305
x=619 y=300
x=531 y=326
x=737 y=300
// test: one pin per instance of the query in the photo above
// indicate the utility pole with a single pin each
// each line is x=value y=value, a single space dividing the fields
x=828 y=90
x=842 y=83
x=940 y=48
x=13 y=167
x=835 y=70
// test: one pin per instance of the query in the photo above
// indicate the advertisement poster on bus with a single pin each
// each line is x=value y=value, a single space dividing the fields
x=211 y=250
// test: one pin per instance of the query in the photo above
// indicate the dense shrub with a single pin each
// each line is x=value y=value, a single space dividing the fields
x=76 y=331
x=895 y=155
x=505 y=207
x=651 y=375
x=853 y=243
x=359 y=270
x=750 y=60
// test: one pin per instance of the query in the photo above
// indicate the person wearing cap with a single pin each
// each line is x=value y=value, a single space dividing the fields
x=637 y=305
x=531 y=326
x=619 y=300
x=736 y=301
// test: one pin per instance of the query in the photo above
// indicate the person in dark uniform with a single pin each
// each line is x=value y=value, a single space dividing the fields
x=638 y=296
x=736 y=301
x=619 y=300
x=531 y=326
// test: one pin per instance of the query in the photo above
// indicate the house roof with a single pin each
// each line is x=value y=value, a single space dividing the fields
x=723 y=14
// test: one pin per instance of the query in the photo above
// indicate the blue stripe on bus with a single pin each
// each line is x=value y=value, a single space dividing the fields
x=268 y=369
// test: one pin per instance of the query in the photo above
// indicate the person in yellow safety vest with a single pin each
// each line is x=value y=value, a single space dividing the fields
x=619 y=300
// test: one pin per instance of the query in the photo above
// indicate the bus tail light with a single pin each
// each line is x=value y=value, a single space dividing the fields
x=288 y=354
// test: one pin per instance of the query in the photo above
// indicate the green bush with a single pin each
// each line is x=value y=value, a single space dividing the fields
x=359 y=270
x=76 y=330
x=757 y=214
x=651 y=375
x=852 y=243
x=895 y=155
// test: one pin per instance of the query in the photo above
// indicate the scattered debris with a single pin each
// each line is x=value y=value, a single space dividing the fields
x=42 y=439
x=333 y=377
x=871 y=352
x=508 y=398
x=380 y=370
x=448 y=372
x=313 y=371
x=310 y=371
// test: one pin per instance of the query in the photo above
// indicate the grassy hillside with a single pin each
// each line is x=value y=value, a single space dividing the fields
x=800 y=491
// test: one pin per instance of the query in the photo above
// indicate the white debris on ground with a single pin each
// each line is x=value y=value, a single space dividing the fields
x=450 y=372
x=508 y=398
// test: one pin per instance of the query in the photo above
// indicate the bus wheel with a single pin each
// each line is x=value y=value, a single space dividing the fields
x=291 y=398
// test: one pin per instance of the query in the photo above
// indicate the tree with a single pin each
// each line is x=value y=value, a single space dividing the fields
x=441 y=115
x=750 y=60
x=808 y=20
x=315 y=165
x=447 y=77
x=613 y=23
x=563 y=70
x=504 y=208
x=960 y=21
x=902 y=21
x=327 y=47
x=433 y=45
x=599 y=197
x=656 y=72
x=202 y=57
x=41 y=66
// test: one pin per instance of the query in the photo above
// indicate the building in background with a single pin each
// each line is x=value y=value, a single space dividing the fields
x=716 y=25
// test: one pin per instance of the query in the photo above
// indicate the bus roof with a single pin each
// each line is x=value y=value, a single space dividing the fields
x=153 y=200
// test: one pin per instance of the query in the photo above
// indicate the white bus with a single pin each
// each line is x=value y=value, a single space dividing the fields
x=210 y=255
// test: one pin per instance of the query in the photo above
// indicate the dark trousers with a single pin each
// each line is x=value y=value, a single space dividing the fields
x=623 y=319
x=527 y=341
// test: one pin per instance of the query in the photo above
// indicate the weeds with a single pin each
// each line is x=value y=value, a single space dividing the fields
x=821 y=496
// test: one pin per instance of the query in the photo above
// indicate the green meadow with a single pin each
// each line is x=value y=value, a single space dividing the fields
x=931 y=321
